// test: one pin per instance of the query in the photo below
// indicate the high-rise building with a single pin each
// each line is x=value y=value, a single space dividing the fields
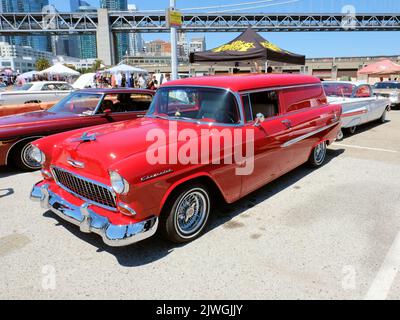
x=87 y=43
x=41 y=43
x=122 y=39
x=136 y=43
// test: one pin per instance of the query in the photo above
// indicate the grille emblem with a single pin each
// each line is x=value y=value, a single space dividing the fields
x=76 y=164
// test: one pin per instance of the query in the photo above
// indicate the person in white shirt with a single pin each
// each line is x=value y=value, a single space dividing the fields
x=141 y=82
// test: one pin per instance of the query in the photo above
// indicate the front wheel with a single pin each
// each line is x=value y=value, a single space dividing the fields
x=188 y=213
x=318 y=155
x=23 y=159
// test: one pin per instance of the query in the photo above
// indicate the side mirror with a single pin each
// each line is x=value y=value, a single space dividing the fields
x=259 y=119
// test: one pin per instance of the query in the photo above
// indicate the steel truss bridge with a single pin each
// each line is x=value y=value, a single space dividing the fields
x=87 y=22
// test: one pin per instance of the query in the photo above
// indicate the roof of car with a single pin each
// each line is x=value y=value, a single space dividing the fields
x=245 y=82
x=115 y=90
x=356 y=83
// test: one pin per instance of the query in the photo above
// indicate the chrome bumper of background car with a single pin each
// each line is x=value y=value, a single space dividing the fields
x=89 y=221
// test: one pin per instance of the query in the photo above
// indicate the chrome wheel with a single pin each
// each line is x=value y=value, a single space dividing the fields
x=320 y=153
x=352 y=130
x=27 y=159
x=340 y=135
x=191 y=213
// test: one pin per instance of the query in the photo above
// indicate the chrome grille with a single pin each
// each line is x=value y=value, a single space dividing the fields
x=95 y=192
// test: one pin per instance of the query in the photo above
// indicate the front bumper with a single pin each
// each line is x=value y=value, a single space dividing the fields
x=89 y=221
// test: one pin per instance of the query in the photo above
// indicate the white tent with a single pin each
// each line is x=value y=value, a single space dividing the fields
x=61 y=70
x=28 y=75
x=124 y=68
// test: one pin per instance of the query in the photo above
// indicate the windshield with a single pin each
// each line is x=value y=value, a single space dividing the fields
x=339 y=89
x=197 y=104
x=387 y=85
x=78 y=103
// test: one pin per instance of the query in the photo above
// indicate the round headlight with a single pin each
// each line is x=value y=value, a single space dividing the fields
x=37 y=155
x=119 y=184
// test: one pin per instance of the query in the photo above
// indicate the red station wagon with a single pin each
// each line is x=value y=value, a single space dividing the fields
x=202 y=139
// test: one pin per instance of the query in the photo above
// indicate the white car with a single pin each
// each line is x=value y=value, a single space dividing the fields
x=40 y=91
x=359 y=103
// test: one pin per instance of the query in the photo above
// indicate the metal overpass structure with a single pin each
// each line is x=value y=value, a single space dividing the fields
x=106 y=23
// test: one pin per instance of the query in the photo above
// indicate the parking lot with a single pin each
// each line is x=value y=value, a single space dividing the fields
x=330 y=233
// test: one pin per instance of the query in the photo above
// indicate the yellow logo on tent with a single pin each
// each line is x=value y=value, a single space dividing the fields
x=235 y=46
x=271 y=46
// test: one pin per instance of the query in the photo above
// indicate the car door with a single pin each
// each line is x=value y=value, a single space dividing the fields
x=302 y=107
x=270 y=159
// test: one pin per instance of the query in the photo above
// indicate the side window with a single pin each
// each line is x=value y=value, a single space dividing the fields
x=47 y=87
x=363 y=92
x=303 y=97
x=248 y=116
x=141 y=102
x=265 y=102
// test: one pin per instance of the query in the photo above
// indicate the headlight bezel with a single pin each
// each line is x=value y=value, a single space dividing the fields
x=118 y=183
x=37 y=155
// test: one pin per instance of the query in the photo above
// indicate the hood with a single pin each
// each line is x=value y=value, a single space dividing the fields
x=16 y=125
x=112 y=143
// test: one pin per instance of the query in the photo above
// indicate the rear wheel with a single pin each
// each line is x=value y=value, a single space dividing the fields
x=186 y=213
x=352 y=130
x=318 y=155
x=382 y=119
x=22 y=158
x=340 y=135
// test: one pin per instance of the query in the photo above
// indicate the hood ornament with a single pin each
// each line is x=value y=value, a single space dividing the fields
x=75 y=164
x=86 y=137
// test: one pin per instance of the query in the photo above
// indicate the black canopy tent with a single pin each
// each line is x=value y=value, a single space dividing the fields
x=249 y=46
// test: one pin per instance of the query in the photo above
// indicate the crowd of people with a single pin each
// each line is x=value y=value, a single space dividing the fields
x=122 y=80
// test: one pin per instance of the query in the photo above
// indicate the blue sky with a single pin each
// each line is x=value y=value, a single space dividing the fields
x=312 y=44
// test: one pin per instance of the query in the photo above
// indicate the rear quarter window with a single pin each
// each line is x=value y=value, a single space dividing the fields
x=303 y=97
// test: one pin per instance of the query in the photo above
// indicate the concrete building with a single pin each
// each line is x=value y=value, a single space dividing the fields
x=122 y=39
x=183 y=45
x=41 y=43
x=197 y=44
x=158 y=48
x=21 y=58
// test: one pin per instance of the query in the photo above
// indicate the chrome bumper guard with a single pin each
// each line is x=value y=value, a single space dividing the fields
x=89 y=221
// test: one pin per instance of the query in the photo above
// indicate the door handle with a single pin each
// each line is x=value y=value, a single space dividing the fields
x=287 y=123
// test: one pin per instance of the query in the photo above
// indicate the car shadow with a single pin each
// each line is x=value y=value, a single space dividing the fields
x=6 y=192
x=156 y=247
x=6 y=171
x=365 y=127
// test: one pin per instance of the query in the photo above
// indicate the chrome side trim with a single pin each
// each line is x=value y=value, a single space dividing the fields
x=89 y=221
x=88 y=180
x=307 y=135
